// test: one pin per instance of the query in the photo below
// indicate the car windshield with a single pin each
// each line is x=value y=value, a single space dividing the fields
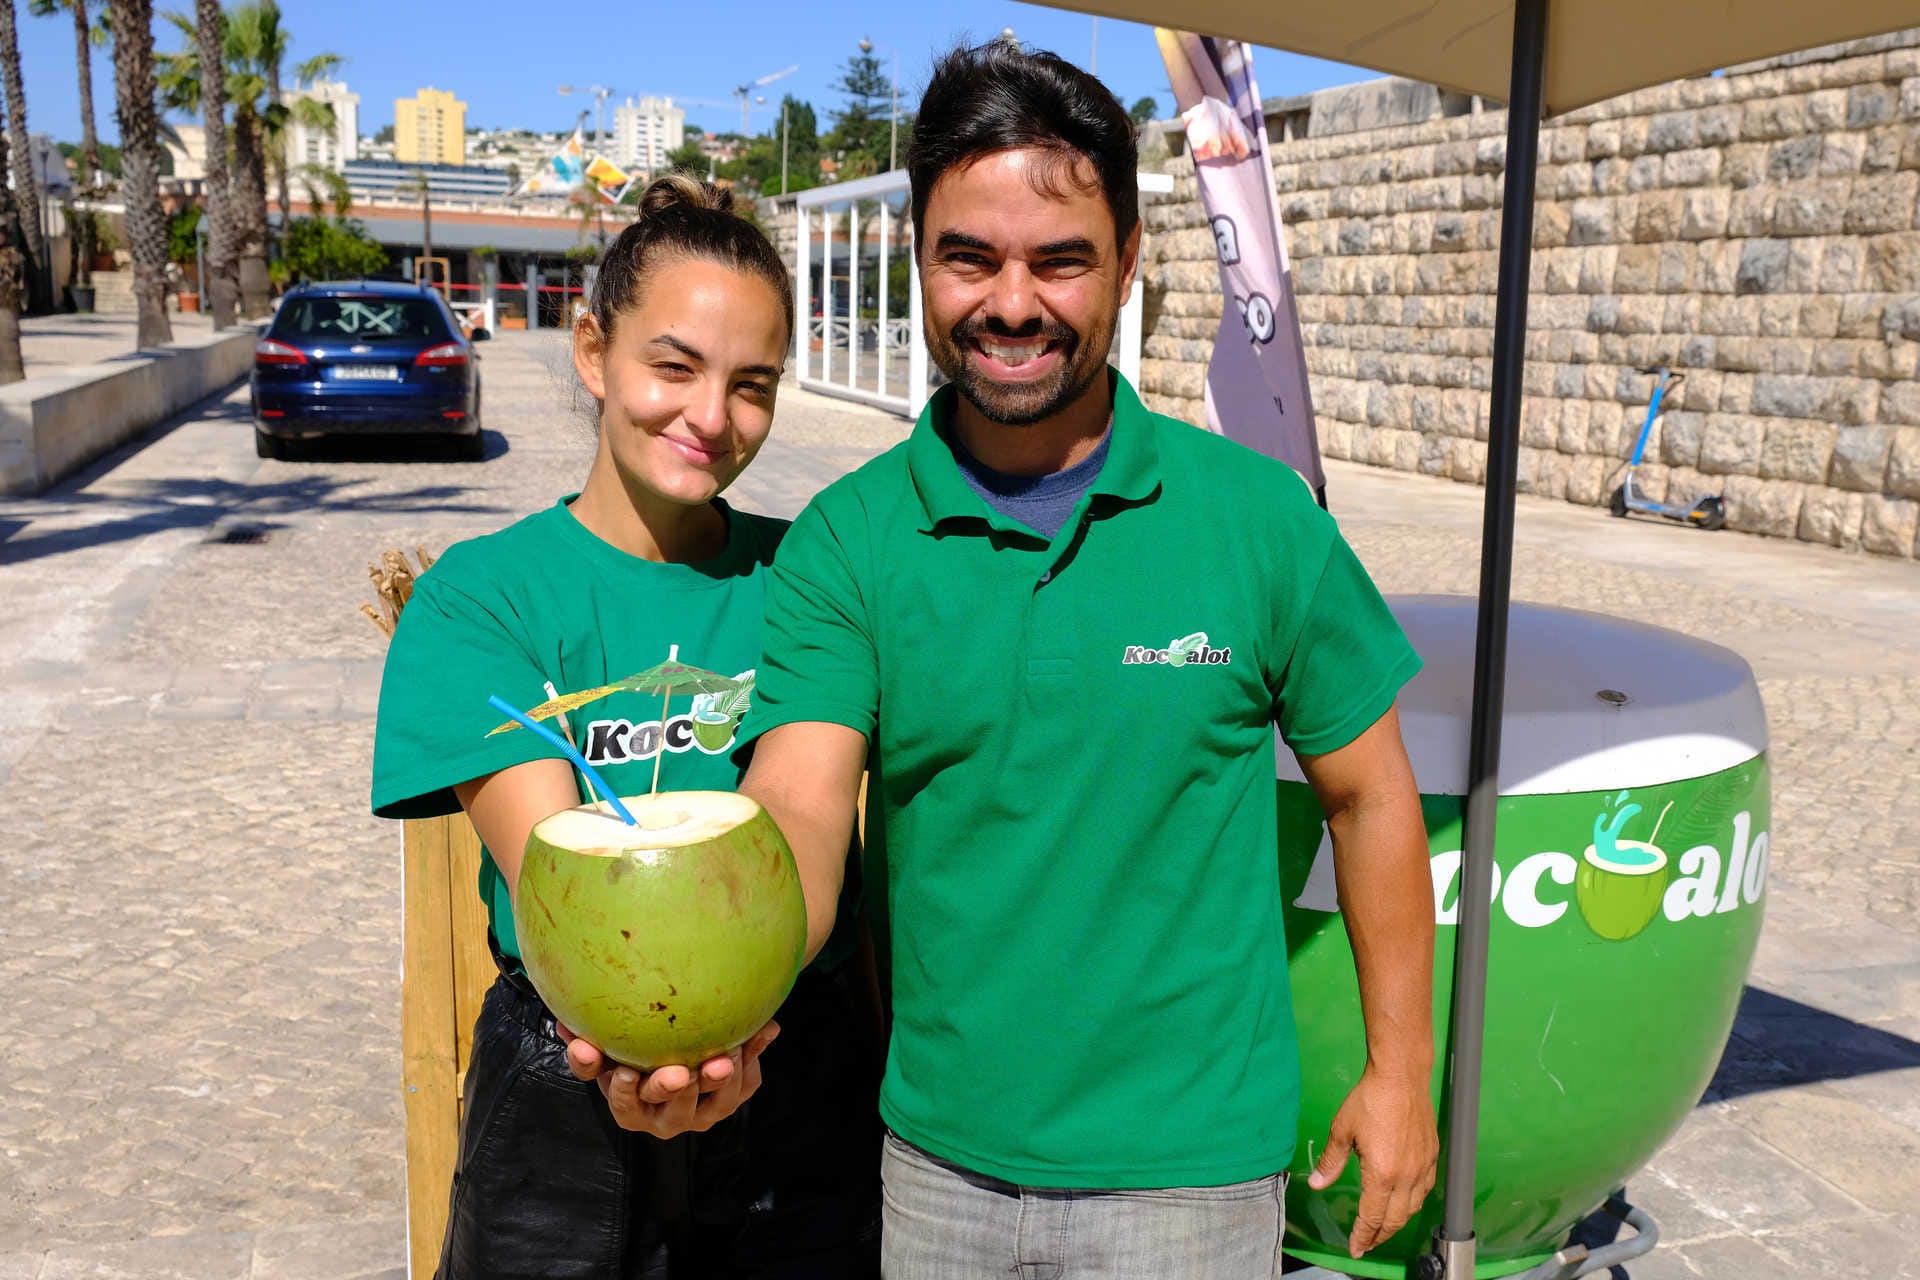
x=360 y=318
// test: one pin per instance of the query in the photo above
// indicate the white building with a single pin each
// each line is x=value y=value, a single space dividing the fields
x=328 y=148
x=646 y=132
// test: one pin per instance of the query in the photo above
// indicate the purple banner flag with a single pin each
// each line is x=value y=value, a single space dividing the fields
x=1257 y=381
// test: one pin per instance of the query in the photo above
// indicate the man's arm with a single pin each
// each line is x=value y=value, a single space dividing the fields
x=1386 y=897
x=807 y=777
x=504 y=807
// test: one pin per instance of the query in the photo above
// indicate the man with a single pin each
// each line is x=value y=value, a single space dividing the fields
x=1058 y=631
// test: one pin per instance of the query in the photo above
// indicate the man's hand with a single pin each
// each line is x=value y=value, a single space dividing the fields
x=1389 y=1121
x=672 y=1100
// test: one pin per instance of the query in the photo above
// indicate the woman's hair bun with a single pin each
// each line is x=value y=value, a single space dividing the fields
x=684 y=191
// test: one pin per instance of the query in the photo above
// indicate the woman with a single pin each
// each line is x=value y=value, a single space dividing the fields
x=656 y=1175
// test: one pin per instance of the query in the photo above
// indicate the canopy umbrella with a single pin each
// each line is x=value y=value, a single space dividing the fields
x=1539 y=64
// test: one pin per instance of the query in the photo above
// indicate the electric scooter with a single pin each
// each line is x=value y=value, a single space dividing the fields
x=1706 y=513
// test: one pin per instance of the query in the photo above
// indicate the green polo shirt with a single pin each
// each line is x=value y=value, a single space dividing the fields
x=1072 y=772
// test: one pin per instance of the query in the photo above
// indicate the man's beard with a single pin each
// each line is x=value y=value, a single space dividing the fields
x=1025 y=403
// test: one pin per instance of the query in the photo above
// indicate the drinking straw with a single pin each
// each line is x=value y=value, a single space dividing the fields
x=593 y=796
x=579 y=761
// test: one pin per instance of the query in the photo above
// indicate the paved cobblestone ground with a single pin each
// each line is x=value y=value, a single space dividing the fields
x=202 y=941
x=51 y=343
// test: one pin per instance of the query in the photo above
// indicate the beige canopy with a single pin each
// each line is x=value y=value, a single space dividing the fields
x=1595 y=48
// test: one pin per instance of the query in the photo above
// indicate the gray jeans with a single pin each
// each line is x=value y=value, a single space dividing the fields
x=942 y=1222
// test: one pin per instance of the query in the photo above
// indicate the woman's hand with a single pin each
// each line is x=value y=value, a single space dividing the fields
x=674 y=1099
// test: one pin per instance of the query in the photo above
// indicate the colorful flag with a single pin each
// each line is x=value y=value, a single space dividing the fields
x=561 y=174
x=607 y=179
x=1257 y=380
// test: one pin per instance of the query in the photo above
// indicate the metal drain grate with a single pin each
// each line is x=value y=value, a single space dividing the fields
x=244 y=536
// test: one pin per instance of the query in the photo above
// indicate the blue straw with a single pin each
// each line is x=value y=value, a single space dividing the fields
x=579 y=761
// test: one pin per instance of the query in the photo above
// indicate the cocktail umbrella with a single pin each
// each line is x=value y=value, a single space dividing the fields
x=1539 y=64
x=664 y=678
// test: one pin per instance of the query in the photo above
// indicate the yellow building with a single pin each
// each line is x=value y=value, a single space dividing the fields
x=430 y=128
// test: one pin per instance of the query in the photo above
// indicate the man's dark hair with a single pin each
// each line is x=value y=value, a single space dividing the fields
x=998 y=97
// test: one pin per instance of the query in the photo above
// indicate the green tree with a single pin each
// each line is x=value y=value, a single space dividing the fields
x=862 y=125
x=384 y=135
x=688 y=154
x=329 y=248
x=1143 y=111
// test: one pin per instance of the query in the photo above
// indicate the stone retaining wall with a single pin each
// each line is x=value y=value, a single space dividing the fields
x=56 y=423
x=1759 y=230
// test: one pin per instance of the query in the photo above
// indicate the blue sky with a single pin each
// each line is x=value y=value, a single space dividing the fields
x=505 y=59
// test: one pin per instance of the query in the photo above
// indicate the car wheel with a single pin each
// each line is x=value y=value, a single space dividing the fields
x=269 y=446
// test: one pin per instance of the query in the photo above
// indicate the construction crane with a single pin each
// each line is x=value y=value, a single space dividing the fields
x=745 y=93
x=600 y=95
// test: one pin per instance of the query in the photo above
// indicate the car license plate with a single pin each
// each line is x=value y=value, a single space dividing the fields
x=367 y=372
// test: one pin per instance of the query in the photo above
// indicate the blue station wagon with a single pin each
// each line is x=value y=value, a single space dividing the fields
x=362 y=357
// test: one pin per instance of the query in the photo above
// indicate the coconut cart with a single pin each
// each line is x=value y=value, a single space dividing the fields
x=1618 y=965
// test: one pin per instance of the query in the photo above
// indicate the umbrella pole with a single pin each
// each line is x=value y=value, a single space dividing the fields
x=1490 y=648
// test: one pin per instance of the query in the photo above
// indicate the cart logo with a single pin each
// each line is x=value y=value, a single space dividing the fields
x=1618 y=886
x=1192 y=649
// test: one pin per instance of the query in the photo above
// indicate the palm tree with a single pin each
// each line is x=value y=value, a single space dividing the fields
x=252 y=33
x=12 y=367
x=274 y=43
x=140 y=164
x=86 y=34
x=26 y=187
x=222 y=261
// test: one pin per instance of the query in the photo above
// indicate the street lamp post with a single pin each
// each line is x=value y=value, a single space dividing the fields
x=783 y=146
x=893 y=128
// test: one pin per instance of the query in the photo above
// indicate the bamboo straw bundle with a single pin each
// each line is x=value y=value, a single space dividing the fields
x=393 y=580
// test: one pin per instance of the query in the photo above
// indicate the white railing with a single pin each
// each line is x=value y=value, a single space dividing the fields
x=859 y=349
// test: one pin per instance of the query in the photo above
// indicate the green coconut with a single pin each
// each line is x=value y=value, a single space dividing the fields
x=670 y=941
x=1620 y=892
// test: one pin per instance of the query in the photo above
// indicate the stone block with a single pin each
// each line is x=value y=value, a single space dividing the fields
x=1672 y=131
x=1744 y=164
x=1640 y=314
x=1603 y=139
x=1436 y=455
x=1469 y=461
x=1717 y=126
x=1551 y=222
x=1643 y=173
x=1779 y=316
x=1841 y=262
x=1575 y=417
x=1889 y=525
x=1820 y=318
x=1676 y=272
x=1893 y=262
x=1763 y=267
x=1770 y=507
x=1717 y=266
x=1910 y=98
x=1903 y=463
x=1658 y=216
x=1610 y=176
x=1768 y=119
x=1883 y=203
x=1406 y=450
x=1750 y=211
x=1860 y=457
x=1596 y=268
x=1703 y=213
x=1637 y=268
x=1827 y=109
x=1603 y=315
x=1680 y=434
x=1793 y=449
x=1842 y=154
x=1818 y=208
x=1591 y=221
x=1882 y=154
x=1586 y=480
x=1862 y=315
x=1870 y=104
x=1730 y=444
x=1902 y=319
x=1795 y=159
x=1831 y=517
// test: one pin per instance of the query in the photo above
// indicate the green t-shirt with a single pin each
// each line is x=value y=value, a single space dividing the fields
x=1072 y=771
x=546 y=600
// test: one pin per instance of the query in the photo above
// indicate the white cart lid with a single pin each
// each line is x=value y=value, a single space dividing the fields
x=1593 y=703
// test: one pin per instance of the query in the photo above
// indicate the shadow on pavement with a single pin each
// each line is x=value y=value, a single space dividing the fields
x=188 y=504
x=398 y=447
x=1778 y=1043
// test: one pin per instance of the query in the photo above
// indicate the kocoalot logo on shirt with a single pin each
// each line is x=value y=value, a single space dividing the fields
x=709 y=727
x=1192 y=649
